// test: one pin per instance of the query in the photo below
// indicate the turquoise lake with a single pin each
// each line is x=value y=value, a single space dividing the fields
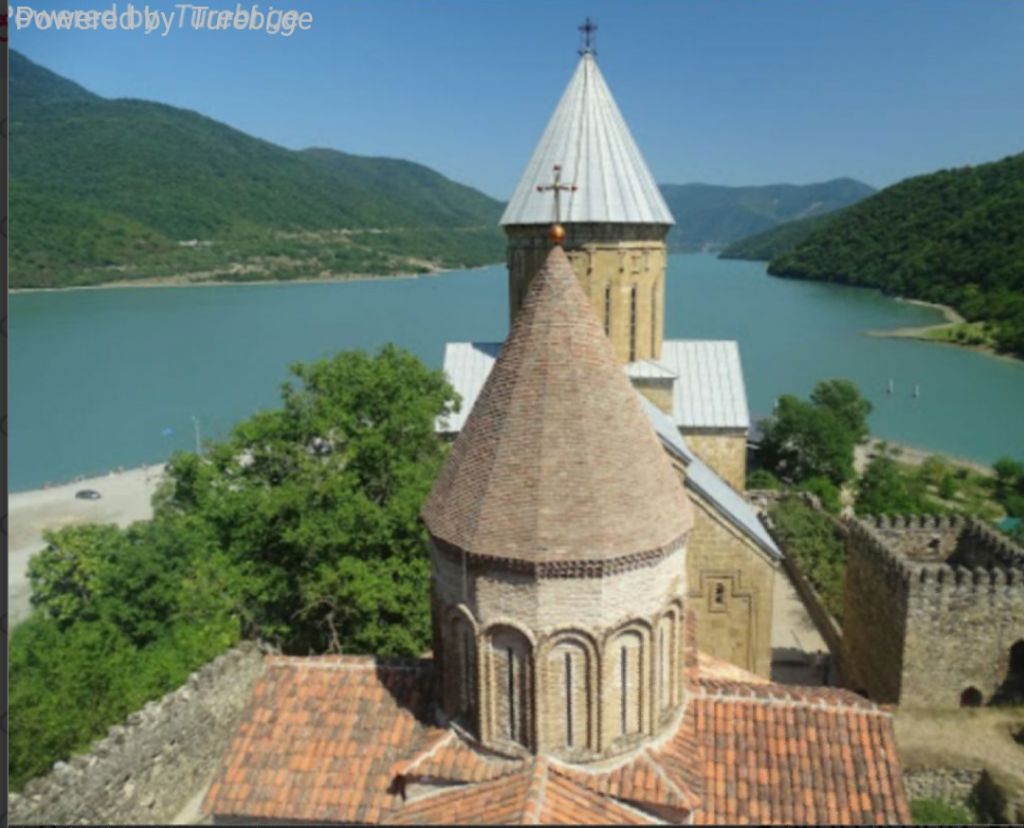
x=106 y=378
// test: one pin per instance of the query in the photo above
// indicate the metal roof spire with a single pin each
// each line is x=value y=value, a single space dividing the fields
x=588 y=139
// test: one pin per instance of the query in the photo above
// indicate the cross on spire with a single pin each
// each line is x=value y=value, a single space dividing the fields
x=557 y=187
x=588 y=37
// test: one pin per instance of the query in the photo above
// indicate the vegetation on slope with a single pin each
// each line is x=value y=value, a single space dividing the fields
x=765 y=246
x=710 y=216
x=300 y=529
x=954 y=237
x=107 y=189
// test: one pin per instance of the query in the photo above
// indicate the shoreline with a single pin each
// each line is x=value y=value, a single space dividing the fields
x=180 y=281
x=925 y=333
x=125 y=497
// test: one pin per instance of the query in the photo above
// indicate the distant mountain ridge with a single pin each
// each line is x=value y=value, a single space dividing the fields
x=106 y=189
x=954 y=236
x=710 y=217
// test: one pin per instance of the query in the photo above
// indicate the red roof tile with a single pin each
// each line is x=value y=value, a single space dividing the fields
x=347 y=738
x=321 y=738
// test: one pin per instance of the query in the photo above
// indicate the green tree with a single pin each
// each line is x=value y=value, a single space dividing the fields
x=843 y=398
x=886 y=489
x=315 y=505
x=803 y=440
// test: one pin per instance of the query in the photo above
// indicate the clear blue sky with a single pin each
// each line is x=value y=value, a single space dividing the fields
x=720 y=91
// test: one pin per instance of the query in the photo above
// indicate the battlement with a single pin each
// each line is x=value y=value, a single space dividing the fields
x=938 y=552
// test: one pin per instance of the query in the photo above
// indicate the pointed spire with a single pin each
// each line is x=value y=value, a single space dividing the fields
x=588 y=138
x=557 y=461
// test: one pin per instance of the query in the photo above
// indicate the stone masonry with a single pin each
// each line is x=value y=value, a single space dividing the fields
x=730 y=589
x=621 y=268
x=725 y=450
x=145 y=770
x=933 y=611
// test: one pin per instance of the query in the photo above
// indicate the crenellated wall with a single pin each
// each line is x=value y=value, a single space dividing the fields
x=933 y=606
x=147 y=769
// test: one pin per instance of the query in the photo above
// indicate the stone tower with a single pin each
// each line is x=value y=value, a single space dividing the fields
x=558 y=541
x=615 y=218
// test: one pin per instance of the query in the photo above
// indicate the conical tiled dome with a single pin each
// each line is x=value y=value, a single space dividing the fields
x=557 y=461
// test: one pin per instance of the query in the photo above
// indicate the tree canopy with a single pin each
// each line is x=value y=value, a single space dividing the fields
x=953 y=236
x=301 y=528
x=811 y=439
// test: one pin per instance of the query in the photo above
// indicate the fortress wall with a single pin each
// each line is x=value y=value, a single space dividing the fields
x=148 y=768
x=874 y=613
x=961 y=624
x=922 y=630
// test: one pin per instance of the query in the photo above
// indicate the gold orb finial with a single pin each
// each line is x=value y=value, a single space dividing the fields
x=556 y=234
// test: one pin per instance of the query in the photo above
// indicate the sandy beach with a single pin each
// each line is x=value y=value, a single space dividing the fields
x=124 y=498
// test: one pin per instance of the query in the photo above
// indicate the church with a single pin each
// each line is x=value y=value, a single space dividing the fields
x=587 y=174
x=577 y=675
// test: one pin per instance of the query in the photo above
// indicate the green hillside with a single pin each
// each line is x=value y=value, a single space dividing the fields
x=711 y=217
x=954 y=236
x=108 y=189
x=784 y=237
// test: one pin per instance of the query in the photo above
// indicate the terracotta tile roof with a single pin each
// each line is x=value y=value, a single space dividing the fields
x=351 y=739
x=544 y=425
x=775 y=754
x=539 y=795
x=452 y=758
x=321 y=738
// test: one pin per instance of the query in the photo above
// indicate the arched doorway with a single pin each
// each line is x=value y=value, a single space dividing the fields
x=1016 y=672
x=971 y=697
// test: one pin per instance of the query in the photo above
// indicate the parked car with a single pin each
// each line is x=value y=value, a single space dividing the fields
x=88 y=494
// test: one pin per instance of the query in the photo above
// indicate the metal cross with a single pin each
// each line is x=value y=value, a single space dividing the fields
x=557 y=187
x=587 y=30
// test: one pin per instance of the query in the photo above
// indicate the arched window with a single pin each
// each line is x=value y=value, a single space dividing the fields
x=667 y=663
x=511 y=680
x=461 y=670
x=654 y=318
x=607 y=310
x=632 y=324
x=626 y=666
x=568 y=695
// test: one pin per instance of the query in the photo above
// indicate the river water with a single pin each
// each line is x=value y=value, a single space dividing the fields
x=107 y=378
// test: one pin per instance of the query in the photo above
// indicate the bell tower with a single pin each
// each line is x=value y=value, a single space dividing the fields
x=614 y=215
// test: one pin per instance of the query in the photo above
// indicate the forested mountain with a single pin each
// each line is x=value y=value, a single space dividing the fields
x=767 y=245
x=953 y=236
x=710 y=216
x=104 y=189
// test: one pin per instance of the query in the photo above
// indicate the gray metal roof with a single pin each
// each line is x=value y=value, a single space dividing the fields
x=467 y=364
x=649 y=369
x=702 y=478
x=710 y=392
x=588 y=137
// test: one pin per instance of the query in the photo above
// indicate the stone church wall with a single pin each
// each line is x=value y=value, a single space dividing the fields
x=147 y=769
x=609 y=260
x=724 y=450
x=731 y=587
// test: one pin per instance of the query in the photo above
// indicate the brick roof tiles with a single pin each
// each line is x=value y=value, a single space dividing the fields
x=557 y=460
x=348 y=738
